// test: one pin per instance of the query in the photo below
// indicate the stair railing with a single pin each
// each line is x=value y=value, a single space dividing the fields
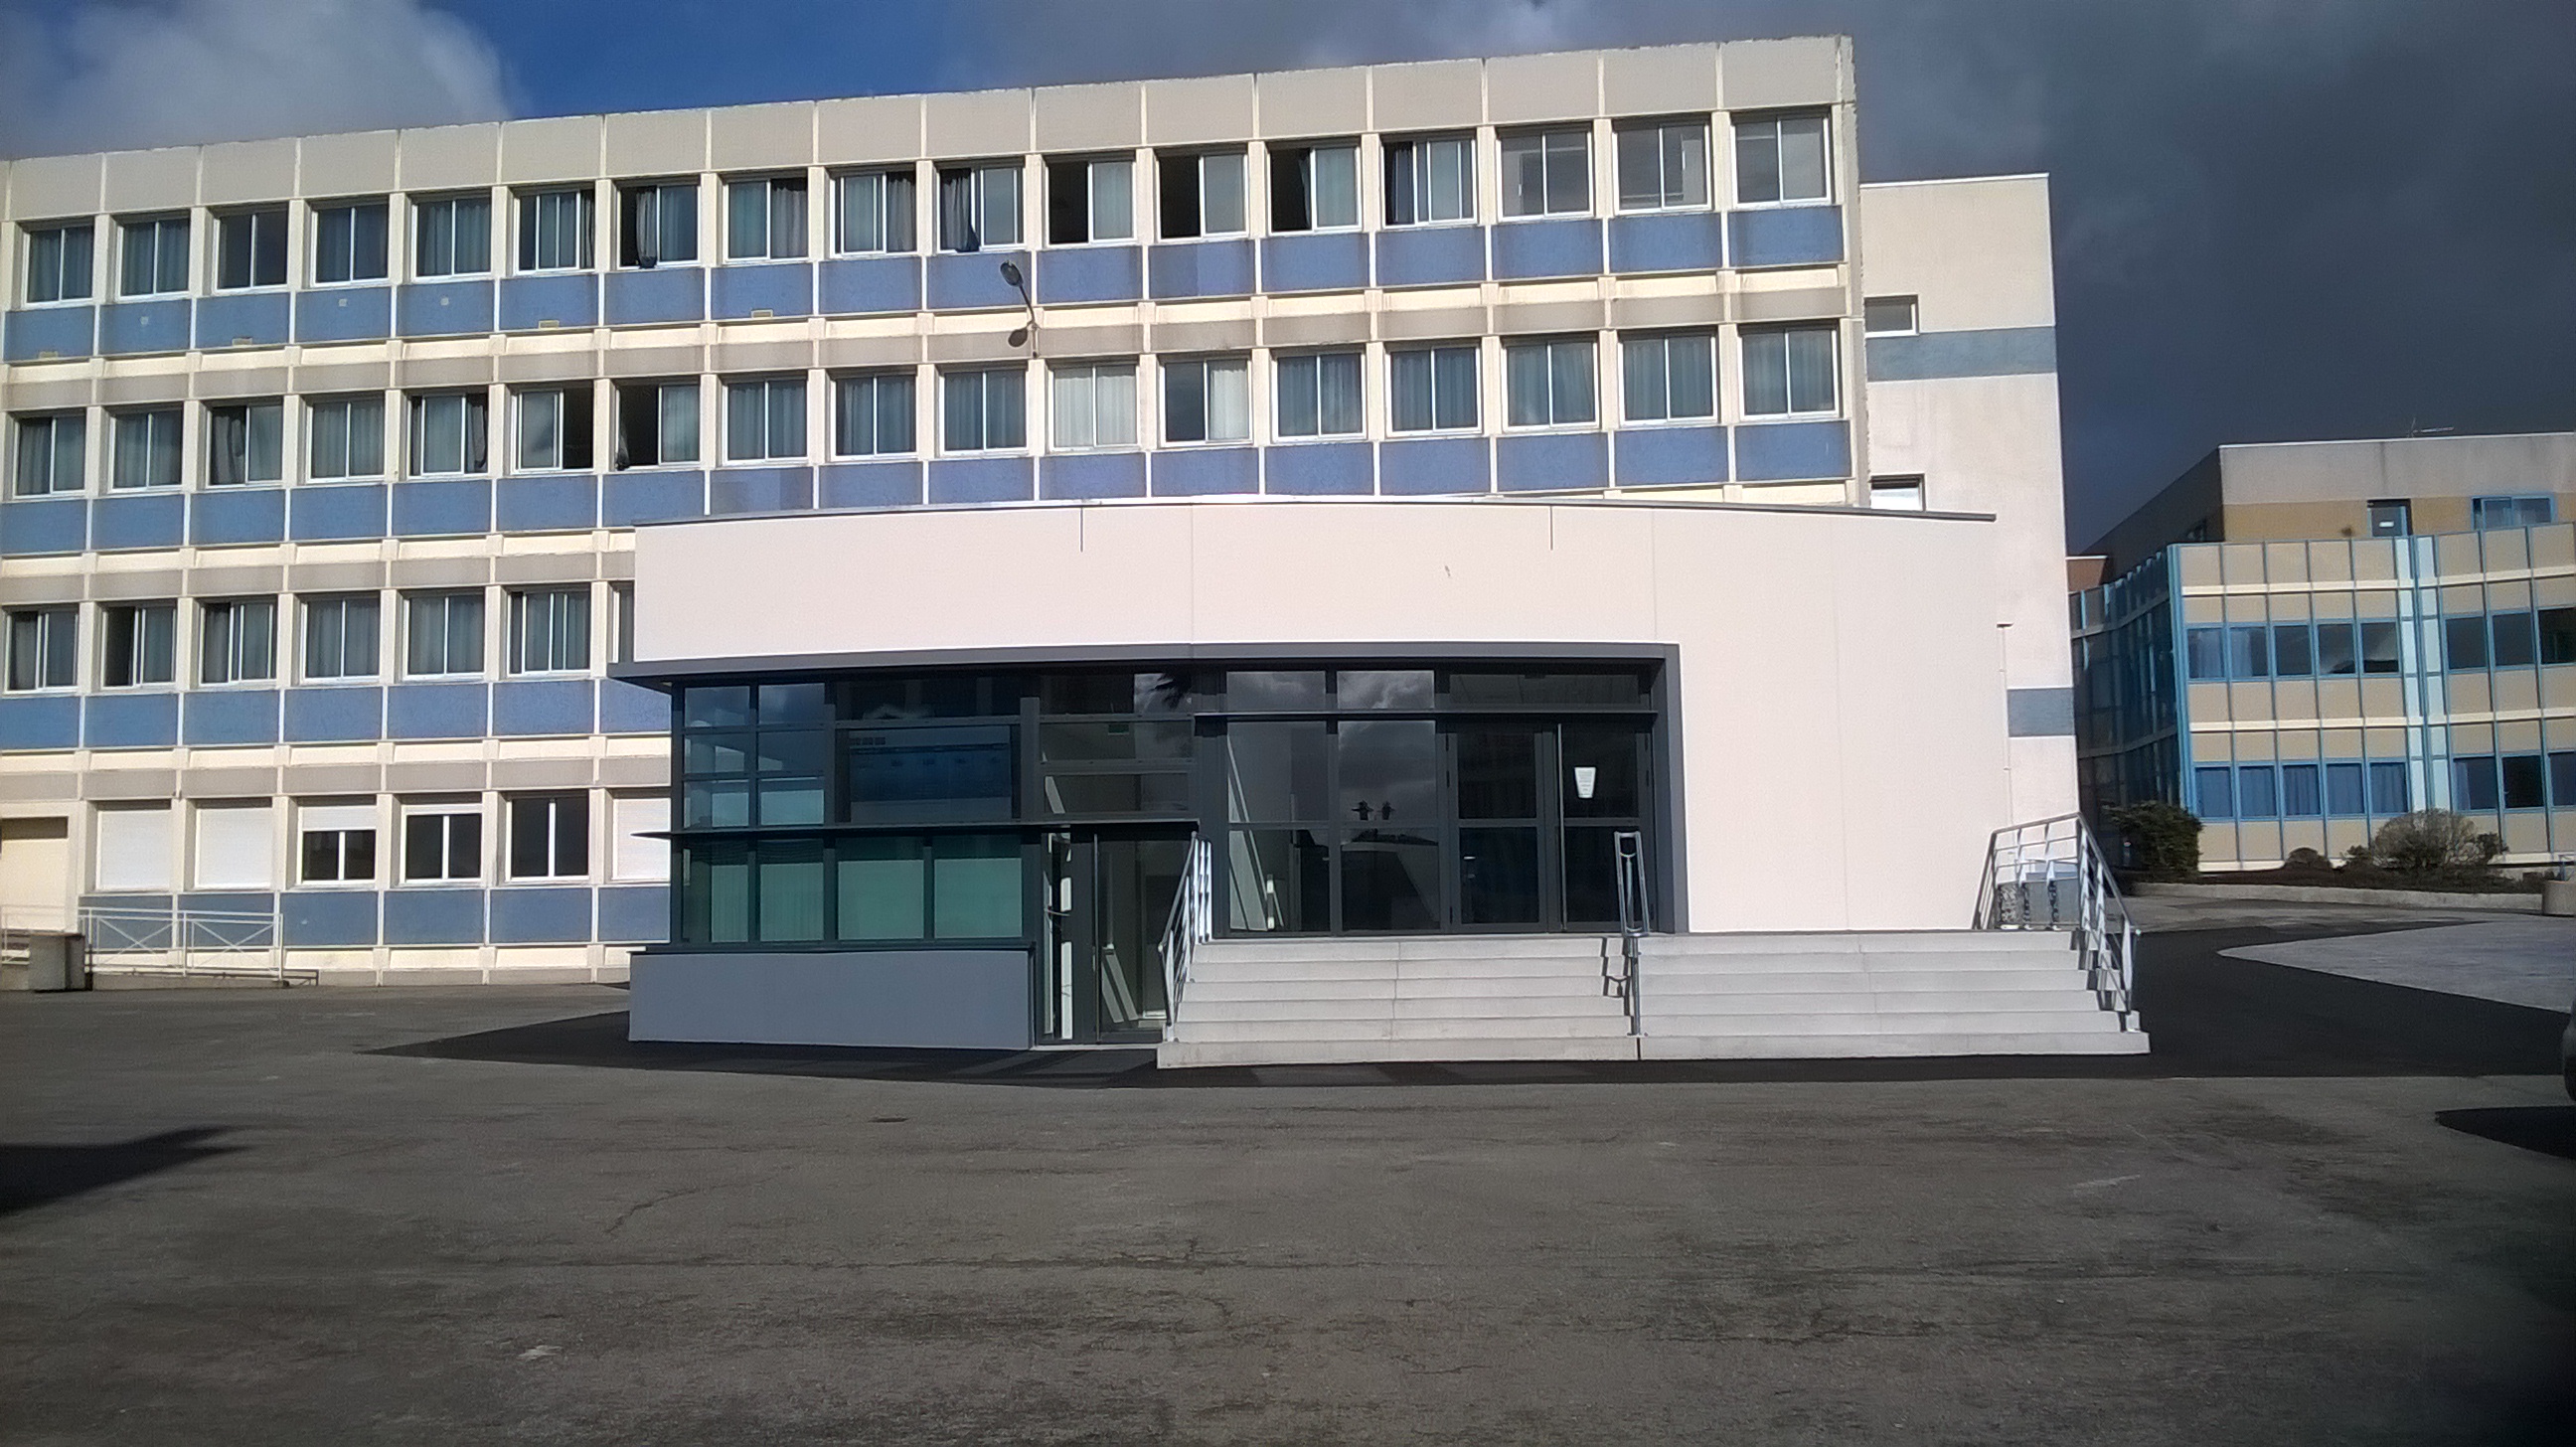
x=1191 y=922
x=2050 y=874
x=1628 y=852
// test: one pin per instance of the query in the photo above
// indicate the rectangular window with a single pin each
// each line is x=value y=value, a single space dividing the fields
x=875 y=214
x=245 y=442
x=657 y=423
x=147 y=449
x=979 y=206
x=340 y=637
x=634 y=820
x=2300 y=796
x=154 y=260
x=348 y=437
x=657 y=222
x=549 y=836
x=2290 y=652
x=872 y=415
x=1896 y=494
x=134 y=847
x=2473 y=783
x=2205 y=653
x=50 y=449
x=1430 y=178
x=1207 y=399
x=1092 y=404
x=2511 y=512
x=452 y=236
x=1201 y=195
x=2464 y=642
x=43 y=648
x=250 y=249
x=447 y=432
x=442 y=843
x=1315 y=187
x=2389 y=794
x=1888 y=316
x=442 y=635
x=2391 y=518
x=335 y=843
x=2343 y=791
x=2515 y=644
x=2255 y=798
x=1790 y=372
x=2557 y=627
x=983 y=410
x=1090 y=200
x=2380 y=648
x=2336 y=654
x=2247 y=655
x=2524 y=781
x=621 y=635
x=550 y=630
x=765 y=419
x=1781 y=158
x=2562 y=780
x=236 y=846
x=237 y=641
x=1663 y=165
x=1432 y=388
x=1547 y=173
x=59 y=261
x=765 y=218
x=2213 y=787
x=1669 y=376
x=137 y=644
x=554 y=430
x=555 y=229
x=349 y=242
x=1319 y=395
x=1549 y=383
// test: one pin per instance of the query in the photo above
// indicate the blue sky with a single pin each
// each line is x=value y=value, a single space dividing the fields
x=2276 y=219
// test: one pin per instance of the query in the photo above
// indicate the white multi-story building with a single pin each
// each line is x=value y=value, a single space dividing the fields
x=1428 y=484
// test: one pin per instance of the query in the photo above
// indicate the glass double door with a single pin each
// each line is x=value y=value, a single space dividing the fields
x=1109 y=896
x=1538 y=810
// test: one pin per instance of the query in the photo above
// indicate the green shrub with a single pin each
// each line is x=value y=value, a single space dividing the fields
x=2164 y=838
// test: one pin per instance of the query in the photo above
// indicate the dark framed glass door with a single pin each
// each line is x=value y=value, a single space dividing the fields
x=1108 y=895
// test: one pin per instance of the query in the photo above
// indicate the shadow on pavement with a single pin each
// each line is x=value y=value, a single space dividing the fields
x=35 y=1175
x=2549 y=1129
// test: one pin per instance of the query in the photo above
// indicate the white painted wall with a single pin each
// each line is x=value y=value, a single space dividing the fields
x=1841 y=713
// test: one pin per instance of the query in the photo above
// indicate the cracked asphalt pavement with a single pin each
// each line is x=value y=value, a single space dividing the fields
x=224 y=1218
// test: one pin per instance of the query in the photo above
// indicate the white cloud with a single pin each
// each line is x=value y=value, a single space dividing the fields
x=112 y=74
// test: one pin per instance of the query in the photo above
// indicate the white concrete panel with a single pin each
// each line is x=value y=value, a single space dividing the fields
x=1431 y=95
x=1199 y=110
x=1810 y=70
x=247 y=171
x=358 y=164
x=868 y=128
x=48 y=186
x=655 y=143
x=1523 y=88
x=760 y=138
x=557 y=148
x=152 y=180
x=1659 y=80
x=976 y=123
x=439 y=157
x=1313 y=102
x=1975 y=252
x=1090 y=117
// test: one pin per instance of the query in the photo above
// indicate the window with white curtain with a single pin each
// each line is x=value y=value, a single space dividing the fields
x=137 y=644
x=1547 y=173
x=1091 y=200
x=1430 y=178
x=335 y=843
x=979 y=206
x=872 y=415
x=657 y=222
x=340 y=636
x=1789 y=372
x=555 y=228
x=1432 y=389
x=554 y=429
x=154 y=256
x=1668 y=376
x=875 y=214
x=349 y=242
x=147 y=449
x=1319 y=394
x=1200 y=194
x=765 y=218
x=237 y=640
x=50 y=452
x=550 y=630
x=765 y=419
x=59 y=261
x=1663 y=165
x=245 y=442
x=1314 y=187
x=443 y=634
x=44 y=648
x=1093 y=404
x=250 y=248
x=1782 y=158
x=447 y=434
x=452 y=235
x=347 y=437
x=1549 y=382
x=236 y=846
x=1207 y=399
x=639 y=858
x=657 y=423
x=132 y=846
x=983 y=410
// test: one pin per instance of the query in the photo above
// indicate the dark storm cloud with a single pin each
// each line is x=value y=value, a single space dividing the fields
x=2276 y=218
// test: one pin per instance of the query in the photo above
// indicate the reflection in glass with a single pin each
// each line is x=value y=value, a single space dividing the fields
x=1256 y=691
x=1276 y=771
x=1116 y=793
x=716 y=707
x=1384 y=688
x=1591 y=877
x=1133 y=883
x=1498 y=876
x=907 y=775
x=1390 y=880
x=717 y=907
x=794 y=703
x=1077 y=742
x=1600 y=773
x=1390 y=772
x=791 y=892
x=1497 y=774
x=1545 y=690
x=975 y=887
x=715 y=804
x=1276 y=881
x=883 y=889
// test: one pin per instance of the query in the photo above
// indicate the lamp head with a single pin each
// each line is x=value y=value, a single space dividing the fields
x=1011 y=274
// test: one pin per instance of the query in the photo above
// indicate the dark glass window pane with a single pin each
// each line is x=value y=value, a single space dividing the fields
x=716 y=707
x=2247 y=657
x=2290 y=654
x=2390 y=794
x=2523 y=784
x=1383 y=688
x=1591 y=876
x=1545 y=690
x=791 y=892
x=2558 y=635
x=884 y=889
x=2213 y=792
x=1498 y=876
x=2474 y=782
x=1390 y=880
x=905 y=775
x=2205 y=652
x=1276 y=771
x=2299 y=796
x=1390 y=772
x=975 y=887
x=2379 y=648
x=2334 y=648
x=2464 y=641
x=715 y=894
x=2343 y=790
x=2254 y=793
x=2515 y=645
x=1276 y=881
x=2562 y=780
x=1082 y=742
x=1255 y=691
x=1117 y=793
x=1606 y=760
x=1497 y=774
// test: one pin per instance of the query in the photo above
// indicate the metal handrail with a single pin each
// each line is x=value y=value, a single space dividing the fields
x=126 y=938
x=1190 y=923
x=2051 y=874
x=1628 y=856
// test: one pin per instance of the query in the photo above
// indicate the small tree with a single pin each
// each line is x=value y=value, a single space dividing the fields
x=2164 y=838
x=2429 y=840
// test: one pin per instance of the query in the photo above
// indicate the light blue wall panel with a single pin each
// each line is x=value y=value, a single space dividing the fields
x=530 y=708
x=443 y=308
x=149 y=518
x=982 y=479
x=2032 y=713
x=1552 y=461
x=1667 y=241
x=1206 y=471
x=433 y=916
x=760 y=489
x=1316 y=261
x=1547 y=248
x=334 y=715
x=1199 y=268
x=1093 y=474
x=130 y=720
x=629 y=708
x=331 y=918
x=60 y=331
x=1995 y=352
x=860 y=285
x=44 y=721
x=331 y=511
x=540 y=916
x=1433 y=465
x=869 y=484
x=656 y=496
x=130 y=328
x=1430 y=255
x=634 y=914
x=436 y=711
x=567 y=502
x=229 y=716
x=1669 y=456
x=225 y=515
x=930 y=999
x=249 y=319
x=780 y=288
x=30 y=526
x=534 y=303
x=1786 y=236
x=663 y=294
x=1792 y=451
x=971 y=281
x=1091 y=274
x=1320 y=469
x=344 y=314
x=442 y=507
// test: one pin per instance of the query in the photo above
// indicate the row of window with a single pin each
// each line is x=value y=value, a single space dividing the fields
x=342 y=638
x=545 y=837
x=1547 y=382
x=1661 y=164
x=2481 y=783
x=2304 y=650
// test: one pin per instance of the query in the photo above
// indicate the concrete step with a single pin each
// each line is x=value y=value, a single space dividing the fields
x=1902 y=943
x=1668 y=982
x=1173 y=1055
x=1891 y=1046
x=1573 y=987
x=1893 y=1002
x=1532 y=1027
x=1405 y=947
x=1301 y=970
x=1434 y=1008
x=2085 y=1021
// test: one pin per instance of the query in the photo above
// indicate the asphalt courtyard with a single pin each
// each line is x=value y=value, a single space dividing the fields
x=2327 y=1210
